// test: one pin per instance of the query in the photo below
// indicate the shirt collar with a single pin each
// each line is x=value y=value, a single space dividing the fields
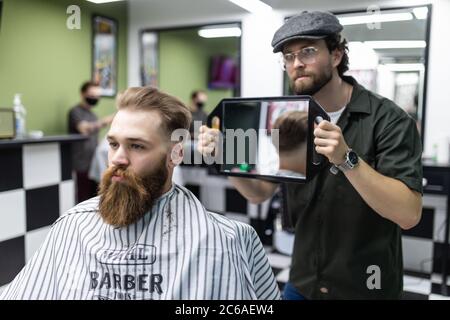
x=359 y=99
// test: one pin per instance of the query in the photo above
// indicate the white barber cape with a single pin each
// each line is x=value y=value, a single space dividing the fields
x=177 y=251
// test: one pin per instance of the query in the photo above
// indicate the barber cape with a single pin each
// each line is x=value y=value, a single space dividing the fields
x=177 y=251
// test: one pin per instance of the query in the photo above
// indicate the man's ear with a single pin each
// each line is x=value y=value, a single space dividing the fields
x=336 y=56
x=176 y=155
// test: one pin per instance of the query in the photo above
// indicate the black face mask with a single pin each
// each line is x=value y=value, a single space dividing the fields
x=91 y=101
x=200 y=104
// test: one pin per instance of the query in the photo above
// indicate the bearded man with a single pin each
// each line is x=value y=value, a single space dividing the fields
x=144 y=237
x=348 y=219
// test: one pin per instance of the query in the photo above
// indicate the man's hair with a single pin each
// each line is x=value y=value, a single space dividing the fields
x=86 y=85
x=337 y=41
x=293 y=130
x=174 y=113
x=195 y=93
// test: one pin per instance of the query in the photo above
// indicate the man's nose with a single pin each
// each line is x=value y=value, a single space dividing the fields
x=120 y=158
x=298 y=63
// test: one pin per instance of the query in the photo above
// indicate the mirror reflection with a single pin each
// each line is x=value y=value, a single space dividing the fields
x=266 y=138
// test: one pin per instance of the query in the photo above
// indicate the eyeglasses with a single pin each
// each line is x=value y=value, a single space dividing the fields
x=306 y=56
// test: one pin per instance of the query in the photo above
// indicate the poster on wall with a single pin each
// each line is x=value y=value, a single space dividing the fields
x=104 y=54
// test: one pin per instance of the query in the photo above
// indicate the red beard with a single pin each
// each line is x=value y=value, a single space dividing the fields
x=124 y=202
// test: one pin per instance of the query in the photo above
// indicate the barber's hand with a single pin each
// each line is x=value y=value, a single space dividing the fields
x=330 y=142
x=106 y=121
x=207 y=140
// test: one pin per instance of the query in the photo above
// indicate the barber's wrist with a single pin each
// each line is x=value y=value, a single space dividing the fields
x=341 y=161
x=342 y=158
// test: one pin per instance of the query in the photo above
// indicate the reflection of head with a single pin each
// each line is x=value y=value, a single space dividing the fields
x=293 y=130
x=292 y=137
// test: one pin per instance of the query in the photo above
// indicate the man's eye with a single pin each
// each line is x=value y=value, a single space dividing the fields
x=309 y=51
x=289 y=57
x=113 y=145
x=137 y=146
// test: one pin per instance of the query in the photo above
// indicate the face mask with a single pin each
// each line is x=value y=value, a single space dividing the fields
x=91 y=101
x=200 y=104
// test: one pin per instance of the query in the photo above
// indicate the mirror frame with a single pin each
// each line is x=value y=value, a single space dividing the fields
x=314 y=110
x=236 y=91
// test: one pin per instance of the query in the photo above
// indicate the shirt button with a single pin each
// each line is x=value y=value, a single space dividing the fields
x=324 y=290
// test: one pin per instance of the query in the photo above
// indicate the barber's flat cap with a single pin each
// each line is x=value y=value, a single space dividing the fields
x=306 y=25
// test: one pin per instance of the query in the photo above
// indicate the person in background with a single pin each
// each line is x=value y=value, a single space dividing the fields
x=197 y=105
x=83 y=121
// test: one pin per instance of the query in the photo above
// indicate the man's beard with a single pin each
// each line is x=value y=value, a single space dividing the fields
x=124 y=202
x=317 y=83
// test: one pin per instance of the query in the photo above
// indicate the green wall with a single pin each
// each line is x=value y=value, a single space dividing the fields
x=184 y=63
x=46 y=62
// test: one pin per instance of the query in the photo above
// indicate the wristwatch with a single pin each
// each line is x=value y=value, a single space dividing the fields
x=351 y=161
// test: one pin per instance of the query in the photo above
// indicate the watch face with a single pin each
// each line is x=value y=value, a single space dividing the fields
x=353 y=157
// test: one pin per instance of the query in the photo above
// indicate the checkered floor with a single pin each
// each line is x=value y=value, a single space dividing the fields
x=416 y=287
x=217 y=194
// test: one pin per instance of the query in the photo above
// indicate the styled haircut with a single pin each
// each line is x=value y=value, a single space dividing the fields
x=174 y=113
x=293 y=130
x=337 y=41
x=86 y=85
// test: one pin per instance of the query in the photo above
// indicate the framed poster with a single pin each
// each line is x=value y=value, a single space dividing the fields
x=104 y=54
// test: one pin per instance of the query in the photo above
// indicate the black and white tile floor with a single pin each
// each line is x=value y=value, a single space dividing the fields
x=415 y=286
x=217 y=194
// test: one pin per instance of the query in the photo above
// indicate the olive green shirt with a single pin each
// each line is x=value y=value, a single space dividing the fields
x=338 y=237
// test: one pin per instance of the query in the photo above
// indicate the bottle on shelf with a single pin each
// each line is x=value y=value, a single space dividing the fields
x=20 y=117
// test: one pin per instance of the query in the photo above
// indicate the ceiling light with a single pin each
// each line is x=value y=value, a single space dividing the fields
x=396 y=44
x=405 y=66
x=373 y=18
x=361 y=56
x=220 y=32
x=102 y=1
x=421 y=12
x=253 y=6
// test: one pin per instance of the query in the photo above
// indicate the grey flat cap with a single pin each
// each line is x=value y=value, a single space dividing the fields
x=306 y=25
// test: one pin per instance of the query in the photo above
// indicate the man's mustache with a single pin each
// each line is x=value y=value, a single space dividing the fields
x=299 y=75
x=128 y=177
x=119 y=172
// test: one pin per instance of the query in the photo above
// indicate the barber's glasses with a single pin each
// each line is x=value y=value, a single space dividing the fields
x=306 y=56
